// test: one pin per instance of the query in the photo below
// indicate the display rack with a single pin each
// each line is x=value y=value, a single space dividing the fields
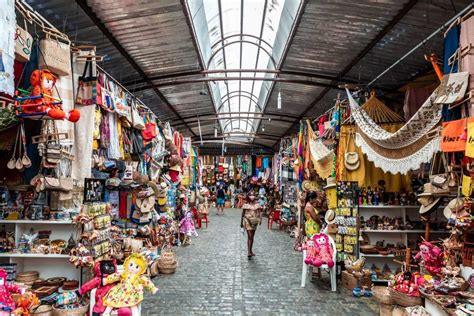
x=48 y=265
x=391 y=236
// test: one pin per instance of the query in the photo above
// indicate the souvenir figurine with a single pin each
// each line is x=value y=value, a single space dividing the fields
x=130 y=289
x=7 y=305
x=376 y=196
x=369 y=196
x=324 y=251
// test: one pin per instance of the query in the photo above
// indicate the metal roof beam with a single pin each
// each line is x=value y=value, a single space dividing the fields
x=103 y=28
x=397 y=18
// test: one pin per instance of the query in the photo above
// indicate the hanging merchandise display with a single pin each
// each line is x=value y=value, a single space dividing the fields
x=7 y=47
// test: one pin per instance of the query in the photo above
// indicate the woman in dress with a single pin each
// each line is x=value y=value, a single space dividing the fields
x=220 y=200
x=251 y=218
x=311 y=213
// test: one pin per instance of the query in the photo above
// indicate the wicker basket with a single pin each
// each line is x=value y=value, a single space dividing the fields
x=42 y=310
x=382 y=295
x=80 y=311
x=402 y=299
x=167 y=262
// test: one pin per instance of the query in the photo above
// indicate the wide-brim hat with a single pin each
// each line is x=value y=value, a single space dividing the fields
x=351 y=161
x=330 y=183
x=427 y=190
x=330 y=216
x=309 y=186
x=429 y=203
x=112 y=182
x=285 y=205
x=146 y=204
x=176 y=168
x=455 y=208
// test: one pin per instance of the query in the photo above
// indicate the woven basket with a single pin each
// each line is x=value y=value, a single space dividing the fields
x=42 y=310
x=80 y=311
x=402 y=299
x=167 y=262
x=382 y=295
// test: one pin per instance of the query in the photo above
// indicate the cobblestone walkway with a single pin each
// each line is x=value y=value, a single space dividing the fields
x=215 y=277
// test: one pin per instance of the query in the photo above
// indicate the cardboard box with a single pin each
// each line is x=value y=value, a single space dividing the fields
x=349 y=281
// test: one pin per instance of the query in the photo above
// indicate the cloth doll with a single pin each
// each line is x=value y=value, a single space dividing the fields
x=310 y=248
x=431 y=257
x=43 y=82
x=324 y=251
x=101 y=270
x=7 y=305
x=130 y=289
x=186 y=225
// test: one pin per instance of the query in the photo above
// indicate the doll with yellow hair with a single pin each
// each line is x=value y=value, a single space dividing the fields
x=129 y=291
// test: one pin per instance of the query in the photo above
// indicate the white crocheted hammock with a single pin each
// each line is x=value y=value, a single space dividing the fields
x=402 y=165
x=427 y=117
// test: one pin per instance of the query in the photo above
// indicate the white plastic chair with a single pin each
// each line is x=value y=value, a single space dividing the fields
x=309 y=268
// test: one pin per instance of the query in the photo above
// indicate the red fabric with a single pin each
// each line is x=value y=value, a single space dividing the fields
x=174 y=175
x=258 y=162
x=149 y=132
x=123 y=205
x=96 y=283
x=321 y=122
x=6 y=299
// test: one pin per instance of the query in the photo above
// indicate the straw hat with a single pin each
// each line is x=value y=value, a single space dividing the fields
x=330 y=216
x=455 y=208
x=330 y=183
x=145 y=200
x=351 y=161
x=428 y=202
x=176 y=168
x=310 y=186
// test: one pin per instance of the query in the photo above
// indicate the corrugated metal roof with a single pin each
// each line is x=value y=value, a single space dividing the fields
x=330 y=34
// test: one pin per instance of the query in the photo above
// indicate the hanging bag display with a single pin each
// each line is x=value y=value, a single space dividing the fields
x=87 y=86
x=351 y=158
x=137 y=119
x=149 y=133
x=55 y=52
x=439 y=180
x=23 y=43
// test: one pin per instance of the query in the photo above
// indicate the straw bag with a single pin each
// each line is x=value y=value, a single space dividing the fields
x=137 y=119
x=403 y=299
x=167 y=262
x=79 y=311
x=55 y=53
x=23 y=44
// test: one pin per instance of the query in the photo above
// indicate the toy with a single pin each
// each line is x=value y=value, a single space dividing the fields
x=186 y=225
x=310 y=248
x=431 y=257
x=129 y=292
x=101 y=270
x=41 y=100
x=324 y=251
x=7 y=305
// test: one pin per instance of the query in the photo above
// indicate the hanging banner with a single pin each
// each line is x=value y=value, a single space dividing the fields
x=451 y=136
x=470 y=138
x=452 y=88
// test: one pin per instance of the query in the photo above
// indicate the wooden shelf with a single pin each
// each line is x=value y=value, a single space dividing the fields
x=376 y=255
x=399 y=231
x=28 y=221
x=32 y=255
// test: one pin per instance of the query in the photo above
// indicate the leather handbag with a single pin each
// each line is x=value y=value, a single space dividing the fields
x=55 y=52
x=351 y=158
x=23 y=44
x=439 y=180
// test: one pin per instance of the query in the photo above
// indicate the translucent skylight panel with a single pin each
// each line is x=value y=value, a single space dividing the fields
x=253 y=13
x=211 y=7
x=230 y=16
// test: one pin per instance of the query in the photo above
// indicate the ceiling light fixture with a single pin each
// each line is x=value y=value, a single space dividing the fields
x=215 y=130
x=279 y=100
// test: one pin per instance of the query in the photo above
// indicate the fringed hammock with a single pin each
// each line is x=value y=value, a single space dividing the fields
x=321 y=156
x=424 y=120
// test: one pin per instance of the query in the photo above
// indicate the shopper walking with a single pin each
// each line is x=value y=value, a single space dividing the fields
x=311 y=213
x=220 y=200
x=251 y=218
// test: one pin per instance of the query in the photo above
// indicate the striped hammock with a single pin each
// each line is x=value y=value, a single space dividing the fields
x=424 y=120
